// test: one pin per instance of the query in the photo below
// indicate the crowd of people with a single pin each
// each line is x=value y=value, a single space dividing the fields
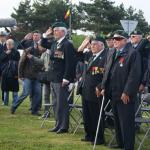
x=116 y=68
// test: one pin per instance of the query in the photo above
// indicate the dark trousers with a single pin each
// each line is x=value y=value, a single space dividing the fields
x=61 y=105
x=91 y=111
x=124 y=116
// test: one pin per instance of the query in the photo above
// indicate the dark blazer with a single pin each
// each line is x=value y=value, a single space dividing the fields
x=122 y=74
x=62 y=62
x=93 y=75
x=144 y=49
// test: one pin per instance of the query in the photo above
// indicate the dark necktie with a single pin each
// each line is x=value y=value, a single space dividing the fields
x=117 y=54
x=91 y=60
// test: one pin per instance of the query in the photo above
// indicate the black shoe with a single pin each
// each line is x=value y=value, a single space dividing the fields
x=61 y=131
x=53 y=130
x=12 y=110
x=99 y=143
x=86 y=140
x=116 y=146
x=36 y=114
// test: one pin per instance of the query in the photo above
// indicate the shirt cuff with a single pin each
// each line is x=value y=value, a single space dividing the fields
x=44 y=35
x=64 y=80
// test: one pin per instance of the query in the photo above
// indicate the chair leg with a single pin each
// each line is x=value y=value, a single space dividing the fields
x=140 y=146
x=45 y=118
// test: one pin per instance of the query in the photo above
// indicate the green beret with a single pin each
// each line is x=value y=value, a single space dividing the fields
x=120 y=34
x=99 y=38
x=109 y=36
x=59 y=24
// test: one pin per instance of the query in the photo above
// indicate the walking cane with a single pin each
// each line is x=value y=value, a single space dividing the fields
x=99 y=121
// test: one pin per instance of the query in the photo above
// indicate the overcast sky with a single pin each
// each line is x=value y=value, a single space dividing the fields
x=6 y=6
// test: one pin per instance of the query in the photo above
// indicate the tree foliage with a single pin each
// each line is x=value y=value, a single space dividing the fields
x=98 y=16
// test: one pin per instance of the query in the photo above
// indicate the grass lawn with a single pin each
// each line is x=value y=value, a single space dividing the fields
x=22 y=132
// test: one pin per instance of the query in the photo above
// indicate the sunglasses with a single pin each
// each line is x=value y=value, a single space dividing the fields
x=118 y=38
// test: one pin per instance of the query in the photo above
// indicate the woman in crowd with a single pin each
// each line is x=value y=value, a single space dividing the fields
x=9 y=60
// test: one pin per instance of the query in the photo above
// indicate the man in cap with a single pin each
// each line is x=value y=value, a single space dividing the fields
x=92 y=76
x=143 y=47
x=3 y=38
x=109 y=41
x=62 y=69
x=120 y=82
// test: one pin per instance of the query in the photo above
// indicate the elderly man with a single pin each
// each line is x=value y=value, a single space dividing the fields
x=92 y=76
x=62 y=70
x=143 y=47
x=120 y=82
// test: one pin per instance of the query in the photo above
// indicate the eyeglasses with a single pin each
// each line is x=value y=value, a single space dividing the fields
x=133 y=36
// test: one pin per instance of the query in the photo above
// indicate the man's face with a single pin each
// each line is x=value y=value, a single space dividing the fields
x=58 y=33
x=110 y=43
x=119 y=43
x=135 y=39
x=36 y=37
x=96 y=46
x=3 y=39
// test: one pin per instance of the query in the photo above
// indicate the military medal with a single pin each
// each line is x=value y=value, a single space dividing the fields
x=121 y=61
x=121 y=65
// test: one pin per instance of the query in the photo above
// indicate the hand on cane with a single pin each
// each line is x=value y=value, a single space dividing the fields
x=99 y=92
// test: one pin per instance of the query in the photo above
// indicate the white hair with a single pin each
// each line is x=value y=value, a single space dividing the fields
x=101 y=43
x=11 y=41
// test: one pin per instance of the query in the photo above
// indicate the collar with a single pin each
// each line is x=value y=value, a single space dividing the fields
x=2 y=43
x=60 y=40
x=98 y=54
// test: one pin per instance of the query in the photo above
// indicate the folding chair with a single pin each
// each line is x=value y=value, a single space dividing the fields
x=109 y=115
x=144 y=120
x=77 y=115
x=46 y=114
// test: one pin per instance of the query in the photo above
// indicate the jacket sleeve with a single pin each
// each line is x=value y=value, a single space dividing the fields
x=46 y=43
x=69 y=55
x=134 y=74
x=21 y=65
x=3 y=57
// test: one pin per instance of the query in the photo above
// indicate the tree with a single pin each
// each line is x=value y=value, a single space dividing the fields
x=23 y=15
x=133 y=14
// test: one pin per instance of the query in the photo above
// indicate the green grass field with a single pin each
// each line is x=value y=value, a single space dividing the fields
x=22 y=132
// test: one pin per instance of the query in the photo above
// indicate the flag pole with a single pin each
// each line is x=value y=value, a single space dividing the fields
x=70 y=20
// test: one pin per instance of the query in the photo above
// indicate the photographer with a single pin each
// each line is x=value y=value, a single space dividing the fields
x=28 y=74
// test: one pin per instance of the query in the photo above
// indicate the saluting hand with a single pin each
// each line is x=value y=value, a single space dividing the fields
x=125 y=98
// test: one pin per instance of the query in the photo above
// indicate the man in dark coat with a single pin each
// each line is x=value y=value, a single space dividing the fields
x=121 y=81
x=9 y=60
x=62 y=68
x=92 y=76
x=143 y=47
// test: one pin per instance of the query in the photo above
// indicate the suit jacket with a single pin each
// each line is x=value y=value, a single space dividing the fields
x=122 y=75
x=62 y=64
x=93 y=75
